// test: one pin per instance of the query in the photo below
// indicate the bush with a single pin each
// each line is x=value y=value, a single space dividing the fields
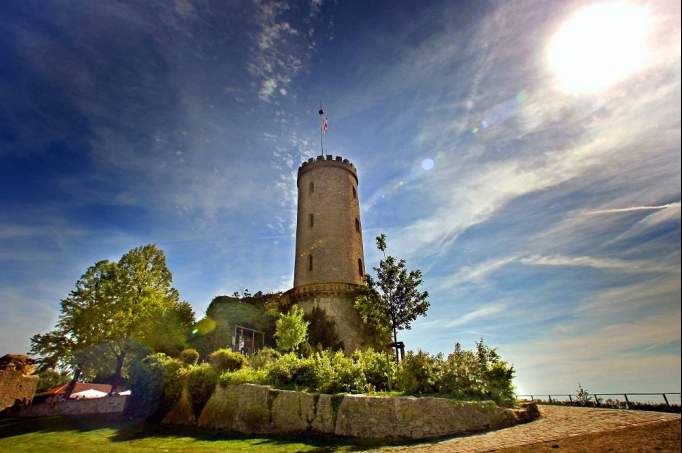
x=244 y=376
x=379 y=368
x=263 y=358
x=189 y=356
x=174 y=379
x=283 y=371
x=227 y=360
x=147 y=383
x=201 y=382
x=419 y=373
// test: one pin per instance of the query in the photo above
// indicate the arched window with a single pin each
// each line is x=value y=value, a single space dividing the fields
x=355 y=192
x=357 y=225
x=361 y=271
x=312 y=220
x=311 y=187
x=310 y=262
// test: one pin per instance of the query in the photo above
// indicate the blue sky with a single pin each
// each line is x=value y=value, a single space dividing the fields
x=549 y=223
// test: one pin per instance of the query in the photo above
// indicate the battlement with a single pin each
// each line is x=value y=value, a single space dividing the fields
x=328 y=161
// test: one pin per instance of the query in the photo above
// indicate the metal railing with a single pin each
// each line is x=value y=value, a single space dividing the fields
x=596 y=398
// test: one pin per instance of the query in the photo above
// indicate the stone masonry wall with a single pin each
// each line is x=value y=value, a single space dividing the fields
x=109 y=405
x=257 y=409
x=14 y=385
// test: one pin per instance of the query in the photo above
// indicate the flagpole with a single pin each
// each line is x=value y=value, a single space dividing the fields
x=321 y=113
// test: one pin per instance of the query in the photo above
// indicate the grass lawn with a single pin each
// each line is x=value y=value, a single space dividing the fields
x=88 y=434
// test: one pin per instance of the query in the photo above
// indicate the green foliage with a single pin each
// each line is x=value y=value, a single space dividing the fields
x=189 y=356
x=263 y=357
x=379 y=369
x=51 y=378
x=227 y=360
x=201 y=382
x=392 y=301
x=419 y=373
x=244 y=376
x=114 y=306
x=479 y=374
x=174 y=378
x=147 y=382
x=291 y=330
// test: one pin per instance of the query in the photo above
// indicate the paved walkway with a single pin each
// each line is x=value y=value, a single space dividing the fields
x=557 y=422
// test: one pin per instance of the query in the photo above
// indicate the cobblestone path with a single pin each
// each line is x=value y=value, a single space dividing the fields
x=557 y=422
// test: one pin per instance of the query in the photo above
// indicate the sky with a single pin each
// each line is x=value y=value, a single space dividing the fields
x=524 y=154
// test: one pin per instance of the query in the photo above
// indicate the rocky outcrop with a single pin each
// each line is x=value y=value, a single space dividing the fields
x=257 y=409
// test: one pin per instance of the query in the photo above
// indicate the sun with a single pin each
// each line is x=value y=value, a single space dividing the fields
x=598 y=46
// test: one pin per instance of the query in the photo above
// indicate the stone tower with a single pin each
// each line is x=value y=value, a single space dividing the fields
x=330 y=264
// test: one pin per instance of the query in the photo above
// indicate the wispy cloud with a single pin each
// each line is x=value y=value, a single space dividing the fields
x=486 y=311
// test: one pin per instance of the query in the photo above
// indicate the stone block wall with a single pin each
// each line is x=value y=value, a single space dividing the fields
x=257 y=409
x=14 y=385
x=109 y=405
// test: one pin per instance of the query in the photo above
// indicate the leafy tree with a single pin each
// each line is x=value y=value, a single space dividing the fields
x=392 y=301
x=291 y=330
x=115 y=307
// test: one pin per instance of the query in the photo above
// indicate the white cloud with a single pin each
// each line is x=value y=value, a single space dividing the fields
x=486 y=311
x=597 y=263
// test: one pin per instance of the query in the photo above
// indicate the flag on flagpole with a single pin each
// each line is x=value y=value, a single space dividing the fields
x=325 y=122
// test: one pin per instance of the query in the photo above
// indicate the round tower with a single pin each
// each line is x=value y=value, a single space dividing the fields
x=328 y=229
x=329 y=267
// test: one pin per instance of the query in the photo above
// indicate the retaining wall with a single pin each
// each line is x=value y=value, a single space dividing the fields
x=257 y=409
x=109 y=405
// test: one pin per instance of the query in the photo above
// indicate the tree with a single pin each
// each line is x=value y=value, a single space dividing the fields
x=392 y=301
x=115 y=307
x=291 y=330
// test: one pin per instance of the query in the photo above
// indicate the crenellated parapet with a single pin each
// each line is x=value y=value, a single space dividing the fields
x=327 y=161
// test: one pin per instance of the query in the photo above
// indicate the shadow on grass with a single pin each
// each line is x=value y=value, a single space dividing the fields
x=125 y=430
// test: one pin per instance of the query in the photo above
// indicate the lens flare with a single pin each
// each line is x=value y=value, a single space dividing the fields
x=427 y=164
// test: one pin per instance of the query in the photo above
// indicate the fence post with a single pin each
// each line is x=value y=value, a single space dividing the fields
x=532 y=399
x=570 y=398
x=550 y=398
x=596 y=400
x=627 y=401
x=667 y=403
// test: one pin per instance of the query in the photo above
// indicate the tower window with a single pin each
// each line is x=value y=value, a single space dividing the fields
x=357 y=225
x=311 y=219
x=311 y=187
x=361 y=271
x=355 y=192
x=310 y=262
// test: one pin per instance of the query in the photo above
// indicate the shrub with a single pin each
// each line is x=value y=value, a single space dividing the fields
x=419 y=373
x=244 y=376
x=379 y=368
x=283 y=371
x=173 y=380
x=201 y=382
x=189 y=356
x=263 y=358
x=227 y=360
x=147 y=383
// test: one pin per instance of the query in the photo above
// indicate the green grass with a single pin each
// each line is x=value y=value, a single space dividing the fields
x=88 y=434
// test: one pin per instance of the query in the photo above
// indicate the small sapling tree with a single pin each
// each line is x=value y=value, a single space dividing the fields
x=392 y=300
x=291 y=330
